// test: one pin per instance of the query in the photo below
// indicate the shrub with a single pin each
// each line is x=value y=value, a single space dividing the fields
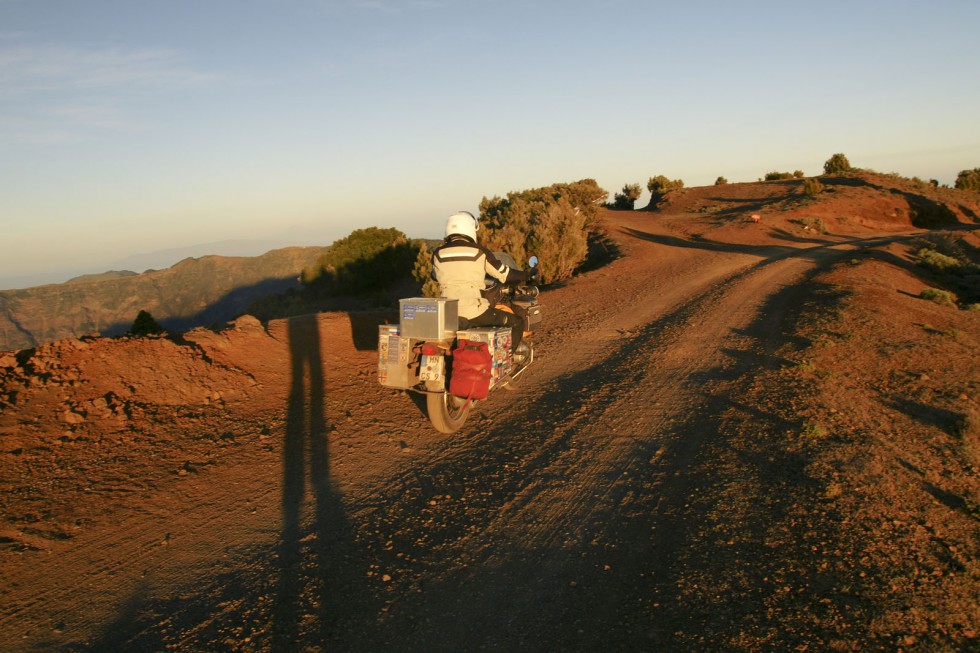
x=775 y=176
x=837 y=164
x=945 y=252
x=968 y=180
x=938 y=262
x=660 y=185
x=720 y=181
x=938 y=296
x=813 y=430
x=812 y=187
x=145 y=325
x=366 y=260
x=423 y=272
x=812 y=224
x=798 y=174
x=626 y=200
x=554 y=222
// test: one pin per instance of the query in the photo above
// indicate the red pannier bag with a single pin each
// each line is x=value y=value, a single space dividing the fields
x=472 y=370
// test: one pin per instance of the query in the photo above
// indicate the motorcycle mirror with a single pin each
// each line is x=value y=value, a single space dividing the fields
x=533 y=261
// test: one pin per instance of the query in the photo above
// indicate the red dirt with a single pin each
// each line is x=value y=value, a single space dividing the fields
x=736 y=436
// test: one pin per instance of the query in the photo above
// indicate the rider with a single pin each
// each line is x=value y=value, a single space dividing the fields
x=461 y=265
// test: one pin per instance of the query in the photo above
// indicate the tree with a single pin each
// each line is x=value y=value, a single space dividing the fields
x=968 y=180
x=660 y=185
x=366 y=260
x=626 y=200
x=812 y=187
x=836 y=165
x=720 y=181
x=554 y=222
x=145 y=325
x=423 y=272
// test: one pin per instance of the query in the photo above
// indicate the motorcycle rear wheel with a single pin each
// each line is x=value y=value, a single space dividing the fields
x=446 y=412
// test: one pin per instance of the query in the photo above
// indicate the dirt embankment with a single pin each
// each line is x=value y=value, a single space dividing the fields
x=738 y=436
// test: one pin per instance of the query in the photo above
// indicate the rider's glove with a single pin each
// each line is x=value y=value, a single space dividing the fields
x=533 y=276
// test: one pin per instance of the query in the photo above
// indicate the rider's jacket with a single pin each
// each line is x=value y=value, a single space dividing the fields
x=461 y=267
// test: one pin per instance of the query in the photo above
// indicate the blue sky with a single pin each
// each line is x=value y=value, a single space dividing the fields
x=134 y=126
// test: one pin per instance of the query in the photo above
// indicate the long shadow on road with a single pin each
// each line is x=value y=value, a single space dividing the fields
x=312 y=579
x=306 y=591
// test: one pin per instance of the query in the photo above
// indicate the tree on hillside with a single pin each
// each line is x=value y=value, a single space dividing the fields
x=626 y=200
x=812 y=187
x=423 y=272
x=968 y=180
x=660 y=185
x=554 y=222
x=366 y=260
x=836 y=165
x=145 y=325
x=720 y=181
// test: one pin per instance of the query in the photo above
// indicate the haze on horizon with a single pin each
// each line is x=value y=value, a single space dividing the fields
x=129 y=128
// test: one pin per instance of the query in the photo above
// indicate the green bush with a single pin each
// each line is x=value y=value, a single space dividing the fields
x=812 y=187
x=626 y=200
x=968 y=180
x=720 y=181
x=660 y=185
x=554 y=222
x=836 y=165
x=946 y=252
x=145 y=325
x=814 y=430
x=938 y=296
x=367 y=260
x=938 y=262
x=775 y=176
x=798 y=174
x=423 y=272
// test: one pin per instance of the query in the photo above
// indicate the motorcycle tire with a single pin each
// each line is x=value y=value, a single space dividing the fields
x=446 y=412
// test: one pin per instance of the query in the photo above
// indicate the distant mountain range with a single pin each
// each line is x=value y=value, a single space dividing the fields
x=194 y=292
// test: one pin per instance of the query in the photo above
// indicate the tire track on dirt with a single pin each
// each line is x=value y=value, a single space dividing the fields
x=546 y=486
x=140 y=555
x=547 y=494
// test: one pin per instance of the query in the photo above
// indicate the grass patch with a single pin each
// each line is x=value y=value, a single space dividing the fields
x=812 y=224
x=939 y=262
x=937 y=296
x=814 y=430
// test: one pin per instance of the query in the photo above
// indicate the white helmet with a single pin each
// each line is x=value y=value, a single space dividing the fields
x=462 y=223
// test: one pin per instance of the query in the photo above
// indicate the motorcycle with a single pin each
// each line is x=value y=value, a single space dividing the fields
x=454 y=368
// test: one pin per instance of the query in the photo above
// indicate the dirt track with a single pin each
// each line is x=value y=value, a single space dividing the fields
x=604 y=505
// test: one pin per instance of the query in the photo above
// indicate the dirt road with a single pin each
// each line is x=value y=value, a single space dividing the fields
x=603 y=505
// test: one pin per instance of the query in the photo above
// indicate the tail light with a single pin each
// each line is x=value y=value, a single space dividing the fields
x=429 y=349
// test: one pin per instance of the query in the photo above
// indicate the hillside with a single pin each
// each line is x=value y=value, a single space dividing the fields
x=738 y=435
x=194 y=292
